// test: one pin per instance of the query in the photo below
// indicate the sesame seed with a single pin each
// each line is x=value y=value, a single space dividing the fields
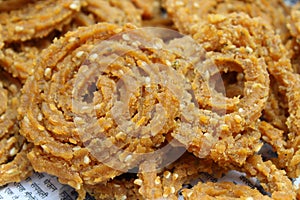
x=77 y=148
x=24 y=147
x=13 y=88
x=40 y=117
x=41 y=128
x=93 y=57
x=175 y=176
x=13 y=151
x=168 y=63
x=157 y=180
x=46 y=149
x=237 y=118
x=10 y=140
x=167 y=174
x=79 y=54
x=138 y=182
x=249 y=49
x=179 y=3
x=128 y=158
x=26 y=120
x=196 y=4
x=173 y=190
x=224 y=127
x=11 y=171
x=72 y=39
x=86 y=159
x=19 y=28
x=123 y=197
x=125 y=37
x=75 y=5
x=47 y=72
x=147 y=80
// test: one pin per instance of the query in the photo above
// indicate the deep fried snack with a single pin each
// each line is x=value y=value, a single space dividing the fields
x=238 y=31
x=276 y=111
x=274 y=181
x=235 y=149
x=219 y=116
x=185 y=13
x=37 y=20
x=14 y=165
x=113 y=11
x=222 y=190
x=47 y=119
x=19 y=59
x=271 y=178
x=168 y=182
x=277 y=139
x=118 y=87
x=119 y=188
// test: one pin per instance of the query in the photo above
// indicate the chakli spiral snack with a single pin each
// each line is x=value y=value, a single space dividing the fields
x=220 y=116
x=167 y=183
x=14 y=165
x=113 y=11
x=25 y=23
x=119 y=188
x=276 y=111
x=240 y=33
x=29 y=29
x=187 y=12
x=19 y=59
x=118 y=87
x=186 y=171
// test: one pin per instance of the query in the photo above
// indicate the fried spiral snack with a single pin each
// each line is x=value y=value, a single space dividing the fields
x=188 y=170
x=112 y=11
x=19 y=59
x=119 y=87
x=168 y=182
x=238 y=112
x=238 y=33
x=14 y=165
x=121 y=187
x=25 y=23
x=188 y=12
x=28 y=29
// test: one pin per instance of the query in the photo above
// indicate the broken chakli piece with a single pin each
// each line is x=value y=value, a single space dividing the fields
x=14 y=165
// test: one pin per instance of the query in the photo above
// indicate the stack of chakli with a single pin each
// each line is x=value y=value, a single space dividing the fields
x=137 y=99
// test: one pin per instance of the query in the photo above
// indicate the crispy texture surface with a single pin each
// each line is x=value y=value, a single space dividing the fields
x=14 y=165
x=110 y=107
x=188 y=12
